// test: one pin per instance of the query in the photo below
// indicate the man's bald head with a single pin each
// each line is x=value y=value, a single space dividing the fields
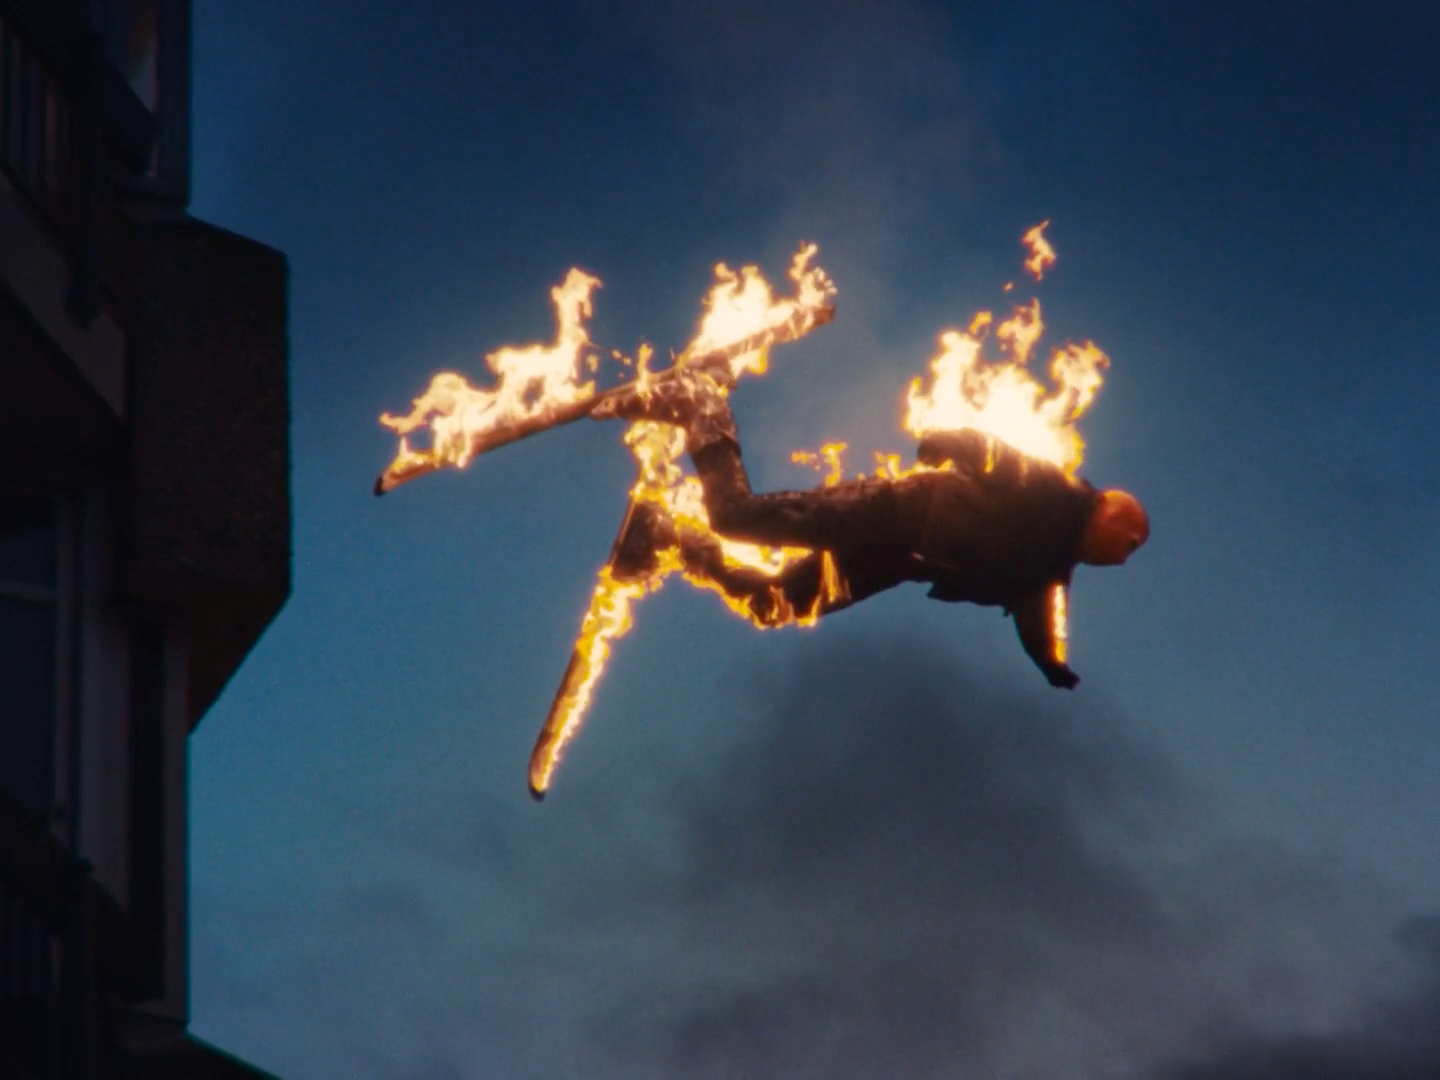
x=1117 y=527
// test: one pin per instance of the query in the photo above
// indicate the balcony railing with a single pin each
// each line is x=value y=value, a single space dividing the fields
x=69 y=125
x=66 y=948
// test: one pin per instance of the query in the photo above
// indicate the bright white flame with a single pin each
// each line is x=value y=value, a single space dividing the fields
x=739 y=305
x=1000 y=397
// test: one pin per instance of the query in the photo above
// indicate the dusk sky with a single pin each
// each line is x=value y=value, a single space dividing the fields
x=882 y=847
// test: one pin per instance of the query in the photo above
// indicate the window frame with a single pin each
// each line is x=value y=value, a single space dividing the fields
x=168 y=179
x=64 y=596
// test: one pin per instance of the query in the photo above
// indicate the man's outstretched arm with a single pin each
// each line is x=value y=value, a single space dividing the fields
x=1036 y=620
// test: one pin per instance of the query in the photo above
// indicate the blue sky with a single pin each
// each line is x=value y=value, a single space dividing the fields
x=1200 y=855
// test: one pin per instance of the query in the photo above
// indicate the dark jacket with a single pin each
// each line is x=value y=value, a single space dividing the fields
x=1004 y=529
x=996 y=528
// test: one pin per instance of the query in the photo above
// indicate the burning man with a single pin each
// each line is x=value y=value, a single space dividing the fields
x=979 y=522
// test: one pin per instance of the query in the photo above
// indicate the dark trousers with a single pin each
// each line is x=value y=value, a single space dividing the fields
x=862 y=536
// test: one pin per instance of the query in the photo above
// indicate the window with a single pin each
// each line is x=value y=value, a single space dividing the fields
x=142 y=51
x=149 y=42
x=36 y=152
x=29 y=546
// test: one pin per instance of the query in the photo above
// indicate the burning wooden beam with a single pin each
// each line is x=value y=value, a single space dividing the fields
x=417 y=463
x=628 y=574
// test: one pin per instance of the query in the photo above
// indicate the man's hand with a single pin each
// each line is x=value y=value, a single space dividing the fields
x=1034 y=617
x=1062 y=677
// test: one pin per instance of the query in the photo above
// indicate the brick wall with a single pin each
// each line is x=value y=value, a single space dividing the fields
x=207 y=530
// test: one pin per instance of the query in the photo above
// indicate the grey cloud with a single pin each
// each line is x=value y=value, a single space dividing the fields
x=909 y=874
x=882 y=756
x=1398 y=1038
x=894 y=870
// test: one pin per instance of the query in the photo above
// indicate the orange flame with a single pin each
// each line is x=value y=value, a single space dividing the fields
x=737 y=306
x=608 y=619
x=1001 y=398
x=964 y=389
x=831 y=456
x=531 y=381
x=1060 y=619
x=1042 y=255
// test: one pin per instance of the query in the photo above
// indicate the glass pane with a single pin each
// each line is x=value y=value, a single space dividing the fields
x=27 y=540
x=26 y=982
x=142 y=49
x=27 y=691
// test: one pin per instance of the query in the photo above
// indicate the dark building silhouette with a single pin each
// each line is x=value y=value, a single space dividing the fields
x=144 y=526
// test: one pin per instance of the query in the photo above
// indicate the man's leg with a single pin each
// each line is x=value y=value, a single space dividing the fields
x=856 y=515
x=798 y=591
